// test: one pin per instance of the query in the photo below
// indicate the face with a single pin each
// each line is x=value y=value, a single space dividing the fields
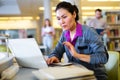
x=65 y=19
x=98 y=14
x=47 y=22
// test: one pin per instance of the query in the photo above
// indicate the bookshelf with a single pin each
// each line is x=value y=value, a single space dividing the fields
x=113 y=20
x=113 y=17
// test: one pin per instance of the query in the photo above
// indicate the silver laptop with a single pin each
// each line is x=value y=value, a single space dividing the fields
x=27 y=53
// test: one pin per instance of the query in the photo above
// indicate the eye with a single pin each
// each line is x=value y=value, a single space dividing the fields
x=64 y=16
x=58 y=18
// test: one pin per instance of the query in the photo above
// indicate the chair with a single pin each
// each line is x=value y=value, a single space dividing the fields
x=113 y=65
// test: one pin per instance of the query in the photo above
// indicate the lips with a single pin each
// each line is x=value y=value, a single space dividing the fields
x=63 y=26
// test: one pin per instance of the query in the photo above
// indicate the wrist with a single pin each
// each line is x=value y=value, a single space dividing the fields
x=76 y=55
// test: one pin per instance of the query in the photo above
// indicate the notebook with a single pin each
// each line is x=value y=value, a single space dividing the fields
x=27 y=53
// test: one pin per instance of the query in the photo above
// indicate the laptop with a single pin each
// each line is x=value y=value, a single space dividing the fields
x=27 y=53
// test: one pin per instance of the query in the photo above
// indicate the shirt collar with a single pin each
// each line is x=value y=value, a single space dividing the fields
x=78 y=33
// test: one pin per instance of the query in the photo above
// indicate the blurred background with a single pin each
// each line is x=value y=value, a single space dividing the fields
x=24 y=18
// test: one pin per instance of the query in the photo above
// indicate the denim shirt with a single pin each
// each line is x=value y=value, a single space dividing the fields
x=89 y=43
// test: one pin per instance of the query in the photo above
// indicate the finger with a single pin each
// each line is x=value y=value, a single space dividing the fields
x=51 y=61
x=65 y=43
x=48 y=61
x=57 y=60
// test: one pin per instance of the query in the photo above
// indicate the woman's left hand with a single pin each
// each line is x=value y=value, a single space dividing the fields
x=71 y=48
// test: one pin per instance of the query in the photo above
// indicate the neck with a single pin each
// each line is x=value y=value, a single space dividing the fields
x=73 y=28
x=73 y=31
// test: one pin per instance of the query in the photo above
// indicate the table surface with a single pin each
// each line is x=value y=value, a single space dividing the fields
x=25 y=74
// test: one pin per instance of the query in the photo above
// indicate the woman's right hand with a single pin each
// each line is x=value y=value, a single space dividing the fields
x=52 y=60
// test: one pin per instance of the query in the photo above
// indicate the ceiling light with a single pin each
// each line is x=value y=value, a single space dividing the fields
x=116 y=7
x=3 y=18
x=15 y=18
x=88 y=13
x=114 y=0
x=42 y=8
x=97 y=0
x=28 y=18
x=86 y=8
x=103 y=8
x=37 y=18
x=53 y=8
x=17 y=24
x=61 y=0
x=103 y=0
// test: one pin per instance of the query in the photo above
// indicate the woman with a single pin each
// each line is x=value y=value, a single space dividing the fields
x=47 y=35
x=81 y=44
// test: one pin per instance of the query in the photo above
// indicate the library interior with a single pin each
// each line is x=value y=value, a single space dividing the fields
x=25 y=45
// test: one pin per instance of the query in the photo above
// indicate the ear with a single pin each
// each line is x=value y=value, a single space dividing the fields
x=74 y=14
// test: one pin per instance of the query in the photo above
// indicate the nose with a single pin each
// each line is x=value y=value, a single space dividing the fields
x=62 y=21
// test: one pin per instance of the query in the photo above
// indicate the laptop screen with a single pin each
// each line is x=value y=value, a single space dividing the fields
x=27 y=53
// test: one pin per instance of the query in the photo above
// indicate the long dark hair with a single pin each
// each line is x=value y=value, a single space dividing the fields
x=69 y=7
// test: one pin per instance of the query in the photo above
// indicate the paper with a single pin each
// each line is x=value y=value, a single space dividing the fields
x=54 y=73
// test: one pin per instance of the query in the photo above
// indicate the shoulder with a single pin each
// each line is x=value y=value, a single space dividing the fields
x=88 y=30
x=90 y=33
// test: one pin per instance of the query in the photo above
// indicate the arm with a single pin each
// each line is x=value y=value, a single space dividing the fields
x=83 y=57
x=52 y=32
x=99 y=53
x=42 y=32
x=57 y=53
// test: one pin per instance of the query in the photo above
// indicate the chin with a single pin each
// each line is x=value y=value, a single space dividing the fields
x=65 y=29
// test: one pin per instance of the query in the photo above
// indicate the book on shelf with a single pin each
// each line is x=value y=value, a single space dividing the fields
x=115 y=44
x=113 y=18
x=114 y=32
x=118 y=19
